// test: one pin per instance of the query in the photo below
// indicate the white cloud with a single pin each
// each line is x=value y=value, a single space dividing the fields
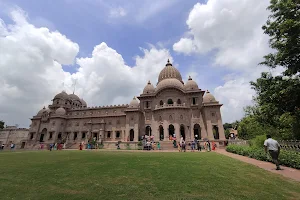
x=231 y=29
x=117 y=12
x=31 y=72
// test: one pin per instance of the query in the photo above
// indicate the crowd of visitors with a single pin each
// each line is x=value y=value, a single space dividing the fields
x=12 y=146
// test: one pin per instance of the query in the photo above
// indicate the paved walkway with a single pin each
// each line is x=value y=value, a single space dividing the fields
x=286 y=171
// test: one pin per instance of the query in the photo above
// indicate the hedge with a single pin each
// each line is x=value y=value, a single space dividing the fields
x=286 y=158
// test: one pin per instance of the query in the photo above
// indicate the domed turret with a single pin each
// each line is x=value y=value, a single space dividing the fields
x=40 y=113
x=208 y=97
x=60 y=111
x=191 y=85
x=62 y=95
x=73 y=97
x=83 y=103
x=134 y=103
x=169 y=72
x=169 y=83
x=149 y=88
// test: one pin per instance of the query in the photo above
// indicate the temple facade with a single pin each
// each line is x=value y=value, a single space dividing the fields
x=172 y=108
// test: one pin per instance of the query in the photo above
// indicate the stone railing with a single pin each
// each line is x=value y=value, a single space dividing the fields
x=157 y=107
x=290 y=145
x=238 y=142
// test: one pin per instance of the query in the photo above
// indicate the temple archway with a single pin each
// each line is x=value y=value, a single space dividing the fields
x=43 y=134
x=197 y=131
x=161 y=133
x=148 y=131
x=171 y=130
x=182 y=131
x=216 y=132
x=131 y=135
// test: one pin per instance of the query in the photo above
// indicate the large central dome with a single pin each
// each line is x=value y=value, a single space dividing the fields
x=169 y=72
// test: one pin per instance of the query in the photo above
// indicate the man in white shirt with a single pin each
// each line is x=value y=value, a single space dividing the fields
x=274 y=150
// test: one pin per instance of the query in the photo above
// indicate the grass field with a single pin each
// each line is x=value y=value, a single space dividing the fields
x=136 y=175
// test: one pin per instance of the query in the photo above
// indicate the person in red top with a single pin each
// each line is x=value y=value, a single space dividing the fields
x=213 y=146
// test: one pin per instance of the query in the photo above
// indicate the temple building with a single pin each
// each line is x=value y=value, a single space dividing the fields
x=171 y=108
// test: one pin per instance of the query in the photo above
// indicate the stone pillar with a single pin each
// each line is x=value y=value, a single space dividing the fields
x=101 y=135
x=221 y=130
x=124 y=136
x=210 y=134
x=203 y=133
x=177 y=131
x=166 y=131
x=113 y=135
x=136 y=133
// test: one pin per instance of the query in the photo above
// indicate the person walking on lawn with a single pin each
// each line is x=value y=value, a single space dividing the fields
x=274 y=150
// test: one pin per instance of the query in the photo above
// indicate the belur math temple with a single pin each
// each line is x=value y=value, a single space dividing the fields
x=172 y=107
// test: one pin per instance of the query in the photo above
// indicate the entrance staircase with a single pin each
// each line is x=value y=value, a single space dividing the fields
x=167 y=145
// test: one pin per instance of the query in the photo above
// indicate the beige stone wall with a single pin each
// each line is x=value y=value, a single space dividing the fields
x=14 y=135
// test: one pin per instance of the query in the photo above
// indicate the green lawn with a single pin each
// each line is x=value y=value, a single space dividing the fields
x=136 y=175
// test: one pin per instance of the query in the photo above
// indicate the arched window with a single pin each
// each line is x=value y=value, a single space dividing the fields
x=118 y=134
x=161 y=103
x=170 y=101
x=178 y=101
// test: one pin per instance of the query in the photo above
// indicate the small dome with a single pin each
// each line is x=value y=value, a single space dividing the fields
x=169 y=83
x=83 y=102
x=60 y=111
x=74 y=97
x=169 y=72
x=41 y=111
x=134 y=103
x=191 y=85
x=208 y=97
x=149 y=88
x=62 y=95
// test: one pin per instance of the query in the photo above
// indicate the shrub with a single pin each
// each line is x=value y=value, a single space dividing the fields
x=128 y=146
x=258 y=141
x=286 y=158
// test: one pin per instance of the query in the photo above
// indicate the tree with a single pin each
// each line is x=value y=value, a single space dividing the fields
x=2 y=124
x=283 y=27
x=227 y=133
x=278 y=97
x=249 y=128
x=227 y=126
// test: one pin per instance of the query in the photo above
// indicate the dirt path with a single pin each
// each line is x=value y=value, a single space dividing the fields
x=286 y=171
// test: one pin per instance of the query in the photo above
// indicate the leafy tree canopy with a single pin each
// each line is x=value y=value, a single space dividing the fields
x=283 y=27
x=2 y=124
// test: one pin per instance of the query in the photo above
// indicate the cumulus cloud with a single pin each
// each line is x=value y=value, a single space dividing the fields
x=104 y=78
x=231 y=29
x=117 y=12
x=31 y=71
x=30 y=67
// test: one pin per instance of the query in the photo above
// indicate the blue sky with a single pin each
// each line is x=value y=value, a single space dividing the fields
x=88 y=24
x=218 y=42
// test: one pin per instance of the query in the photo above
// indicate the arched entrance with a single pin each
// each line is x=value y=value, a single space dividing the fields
x=182 y=132
x=170 y=101
x=171 y=130
x=131 y=135
x=197 y=131
x=148 y=130
x=216 y=132
x=161 y=132
x=43 y=134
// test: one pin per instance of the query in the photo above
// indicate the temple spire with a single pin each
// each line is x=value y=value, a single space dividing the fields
x=168 y=63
